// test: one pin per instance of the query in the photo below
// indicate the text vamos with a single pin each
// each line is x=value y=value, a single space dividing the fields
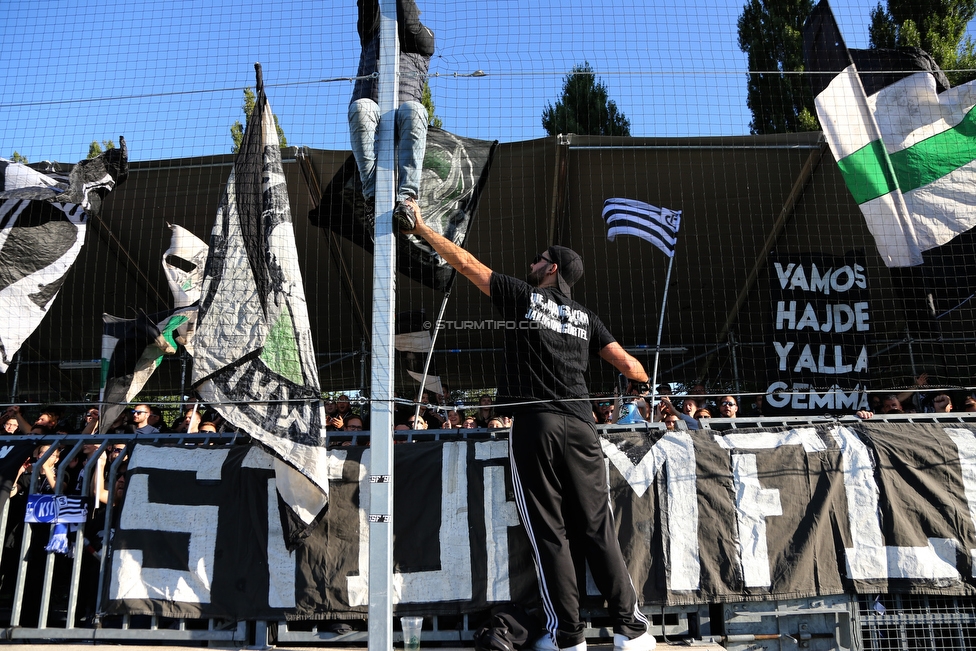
x=821 y=320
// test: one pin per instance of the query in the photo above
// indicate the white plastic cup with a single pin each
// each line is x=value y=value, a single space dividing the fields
x=411 y=632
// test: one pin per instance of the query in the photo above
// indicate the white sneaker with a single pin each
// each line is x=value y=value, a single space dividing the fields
x=544 y=643
x=644 y=642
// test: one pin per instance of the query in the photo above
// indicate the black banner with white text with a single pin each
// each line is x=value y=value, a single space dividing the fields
x=755 y=514
x=818 y=357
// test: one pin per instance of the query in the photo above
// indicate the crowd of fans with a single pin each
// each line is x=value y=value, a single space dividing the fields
x=685 y=411
x=637 y=405
x=435 y=411
x=696 y=405
x=432 y=412
x=140 y=419
x=61 y=472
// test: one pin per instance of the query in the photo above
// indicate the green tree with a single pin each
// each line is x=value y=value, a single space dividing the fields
x=771 y=35
x=428 y=101
x=237 y=129
x=936 y=26
x=584 y=108
x=94 y=149
x=18 y=158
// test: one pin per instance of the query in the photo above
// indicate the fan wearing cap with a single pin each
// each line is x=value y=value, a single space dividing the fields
x=558 y=467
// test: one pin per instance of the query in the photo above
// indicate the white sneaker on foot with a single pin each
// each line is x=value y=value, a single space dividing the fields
x=644 y=642
x=544 y=643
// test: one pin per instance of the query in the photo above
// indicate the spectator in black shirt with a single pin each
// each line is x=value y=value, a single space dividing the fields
x=558 y=468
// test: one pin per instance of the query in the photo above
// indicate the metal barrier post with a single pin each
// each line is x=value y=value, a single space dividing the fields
x=103 y=563
x=4 y=513
x=90 y=466
x=19 y=586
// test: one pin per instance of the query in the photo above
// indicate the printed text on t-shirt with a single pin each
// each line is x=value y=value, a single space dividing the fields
x=559 y=318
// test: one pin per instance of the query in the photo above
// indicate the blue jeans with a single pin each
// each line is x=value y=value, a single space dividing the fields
x=410 y=137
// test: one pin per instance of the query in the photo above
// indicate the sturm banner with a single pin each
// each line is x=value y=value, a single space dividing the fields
x=858 y=507
x=818 y=361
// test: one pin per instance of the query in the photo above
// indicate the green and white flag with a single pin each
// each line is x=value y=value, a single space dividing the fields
x=907 y=152
x=132 y=349
x=183 y=263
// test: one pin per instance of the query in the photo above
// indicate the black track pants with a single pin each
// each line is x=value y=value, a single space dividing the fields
x=564 y=503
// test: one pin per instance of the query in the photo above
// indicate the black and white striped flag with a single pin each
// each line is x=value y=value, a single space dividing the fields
x=43 y=221
x=72 y=509
x=659 y=226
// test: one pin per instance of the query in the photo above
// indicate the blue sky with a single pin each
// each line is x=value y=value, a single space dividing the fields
x=169 y=75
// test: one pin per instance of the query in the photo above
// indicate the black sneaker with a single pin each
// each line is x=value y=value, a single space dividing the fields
x=403 y=217
x=369 y=216
x=365 y=209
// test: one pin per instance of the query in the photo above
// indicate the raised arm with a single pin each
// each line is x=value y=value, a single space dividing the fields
x=369 y=20
x=624 y=362
x=465 y=263
x=414 y=36
x=905 y=396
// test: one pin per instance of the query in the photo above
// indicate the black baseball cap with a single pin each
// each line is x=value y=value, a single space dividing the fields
x=569 y=267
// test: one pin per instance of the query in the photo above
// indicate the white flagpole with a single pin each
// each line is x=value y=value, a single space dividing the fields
x=381 y=362
x=660 y=330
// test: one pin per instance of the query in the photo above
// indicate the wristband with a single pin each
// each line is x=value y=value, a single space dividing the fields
x=640 y=387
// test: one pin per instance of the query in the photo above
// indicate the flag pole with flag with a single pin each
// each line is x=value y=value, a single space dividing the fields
x=253 y=357
x=132 y=349
x=907 y=152
x=413 y=338
x=659 y=226
x=185 y=281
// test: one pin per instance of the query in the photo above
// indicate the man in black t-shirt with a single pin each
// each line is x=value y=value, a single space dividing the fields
x=558 y=467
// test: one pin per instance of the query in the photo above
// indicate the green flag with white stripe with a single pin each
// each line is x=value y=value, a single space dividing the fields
x=907 y=152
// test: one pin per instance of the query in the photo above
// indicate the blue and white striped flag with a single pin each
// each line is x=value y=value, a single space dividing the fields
x=659 y=226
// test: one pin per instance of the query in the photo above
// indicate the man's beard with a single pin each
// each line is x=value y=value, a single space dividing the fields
x=536 y=276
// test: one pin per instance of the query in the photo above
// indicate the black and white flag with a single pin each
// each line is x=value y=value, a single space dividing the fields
x=412 y=343
x=43 y=220
x=183 y=264
x=839 y=508
x=455 y=172
x=253 y=354
x=659 y=226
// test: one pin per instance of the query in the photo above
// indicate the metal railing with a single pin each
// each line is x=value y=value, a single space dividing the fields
x=57 y=610
x=50 y=611
x=916 y=622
